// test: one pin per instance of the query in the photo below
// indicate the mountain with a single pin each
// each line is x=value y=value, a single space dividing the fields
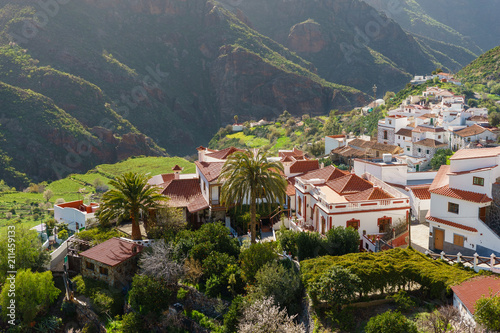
x=484 y=69
x=348 y=41
x=454 y=32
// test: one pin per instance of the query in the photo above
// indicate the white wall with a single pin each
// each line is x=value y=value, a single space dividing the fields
x=71 y=216
x=394 y=174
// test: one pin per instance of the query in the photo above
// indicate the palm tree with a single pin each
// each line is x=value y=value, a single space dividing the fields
x=131 y=196
x=249 y=175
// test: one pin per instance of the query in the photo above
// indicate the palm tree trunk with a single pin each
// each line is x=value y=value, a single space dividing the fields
x=136 y=230
x=253 y=213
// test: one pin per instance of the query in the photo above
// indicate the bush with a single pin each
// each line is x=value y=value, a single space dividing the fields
x=403 y=301
x=341 y=241
x=34 y=294
x=149 y=295
x=488 y=312
x=104 y=298
x=68 y=309
x=281 y=283
x=216 y=263
x=233 y=314
x=287 y=241
x=336 y=287
x=390 y=322
x=309 y=245
x=255 y=257
x=182 y=293
x=132 y=323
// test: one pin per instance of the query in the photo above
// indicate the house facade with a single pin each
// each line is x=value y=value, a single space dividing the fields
x=113 y=261
x=329 y=197
x=75 y=213
x=465 y=199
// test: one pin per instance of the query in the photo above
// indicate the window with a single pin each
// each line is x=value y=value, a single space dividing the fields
x=419 y=150
x=408 y=148
x=482 y=214
x=384 y=224
x=103 y=271
x=390 y=122
x=453 y=207
x=90 y=266
x=399 y=136
x=300 y=206
x=353 y=223
x=427 y=151
x=458 y=240
x=478 y=181
x=385 y=135
x=439 y=136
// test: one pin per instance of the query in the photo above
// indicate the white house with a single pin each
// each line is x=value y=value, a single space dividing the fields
x=334 y=141
x=471 y=136
x=330 y=197
x=387 y=128
x=466 y=294
x=463 y=217
x=75 y=213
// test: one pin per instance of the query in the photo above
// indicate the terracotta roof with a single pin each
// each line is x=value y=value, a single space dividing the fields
x=287 y=159
x=177 y=168
x=473 y=170
x=471 y=130
x=349 y=184
x=475 y=153
x=295 y=153
x=112 y=252
x=421 y=191
x=327 y=173
x=211 y=170
x=479 y=118
x=428 y=129
x=224 y=153
x=290 y=187
x=441 y=178
x=160 y=180
x=431 y=143
x=185 y=193
x=461 y=194
x=374 y=193
x=404 y=132
x=302 y=166
x=470 y=291
x=347 y=151
x=451 y=224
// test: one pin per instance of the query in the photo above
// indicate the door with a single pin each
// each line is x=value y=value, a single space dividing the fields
x=438 y=239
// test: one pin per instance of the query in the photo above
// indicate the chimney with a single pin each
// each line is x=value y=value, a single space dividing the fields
x=177 y=170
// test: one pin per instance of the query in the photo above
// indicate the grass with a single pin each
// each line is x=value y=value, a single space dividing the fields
x=68 y=188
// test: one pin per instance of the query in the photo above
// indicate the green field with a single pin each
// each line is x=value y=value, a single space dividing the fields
x=31 y=208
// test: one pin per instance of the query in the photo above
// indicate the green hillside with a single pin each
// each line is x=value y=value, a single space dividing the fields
x=30 y=207
x=484 y=69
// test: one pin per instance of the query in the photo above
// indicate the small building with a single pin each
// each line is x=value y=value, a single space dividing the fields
x=75 y=213
x=466 y=294
x=114 y=261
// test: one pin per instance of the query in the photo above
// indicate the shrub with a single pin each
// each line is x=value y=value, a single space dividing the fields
x=233 y=314
x=341 y=241
x=337 y=286
x=149 y=295
x=34 y=294
x=182 y=293
x=216 y=263
x=488 y=312
x=281 y=283
x=403 y=301
x=287 y=241
x=255 y=257
x=390 y=322
x=309 y=245
x=132 y=323
x=104 y=298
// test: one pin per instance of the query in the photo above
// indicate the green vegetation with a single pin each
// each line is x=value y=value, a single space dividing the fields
x=385 y=271
x=484 y=69
x=390 y=322
x=441 y=157
x=488 y=312
x=104 y=299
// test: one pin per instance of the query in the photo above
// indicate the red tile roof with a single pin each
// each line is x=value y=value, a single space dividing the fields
x=441 y=178
x=327 y=173
x=112 y=252
x=473 y=170
x=302 y=166
x=295 y=153
x=461 y=194
x=177 y=168
x=374 y=193
x=472 y=290
x=421 y=191
x=224 y=153
x=404 y=132
x=185 y=193
x=290 y=188
x=470 y=131
x=428 y=129
x=287 y=159
x=211 y=170
x=451 y=224
x=430 y=143
x=463 y=154
x=349 y=184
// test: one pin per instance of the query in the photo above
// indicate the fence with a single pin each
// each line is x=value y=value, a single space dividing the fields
x=491 y=263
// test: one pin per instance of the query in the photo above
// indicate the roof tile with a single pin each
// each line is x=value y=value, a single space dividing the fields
x=472 y=290
x=461 y=194
x=451 y=224
x=112 y=252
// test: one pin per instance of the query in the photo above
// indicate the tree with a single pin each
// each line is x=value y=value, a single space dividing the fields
x=337 y=286
x=488 y=312
x=388 y=95
x=440 y=158
x=131 y=197
x=264 y=316
x=159 y=263
x=149 y=295
x=29 y=253
x=63 y=234
x=255 y=257
x=279 y=282
x=249 y=176
x=34 y=294
x=235 y=118
x=166 y=223
x=342 y=240
x=47 y=194
x=332 y=125
x=440 y=321
x=390 y=322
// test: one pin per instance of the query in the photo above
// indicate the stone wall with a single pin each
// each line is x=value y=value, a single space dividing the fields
x=118 y=276
x=390 y=135
x=493 y=214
